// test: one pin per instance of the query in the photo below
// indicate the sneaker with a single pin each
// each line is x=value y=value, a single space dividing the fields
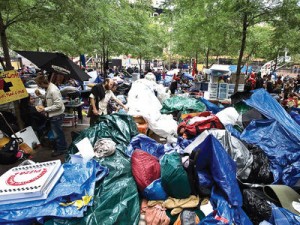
x=58 y=153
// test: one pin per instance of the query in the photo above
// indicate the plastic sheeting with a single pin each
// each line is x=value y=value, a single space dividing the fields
x=233 y=146
x=210 y=106
x=228 y=116
x=295 y=116
x=146 y=144
x=256 y=205
x=214 y=163
x=224 y=213
x=269 y=107
x=282 y=216
x=77 y=180
x=155 y=191
x=278 y=137
x=280 y=147
x=143 y=102
x=183 y=105
x=116 y=200
x=237 y=150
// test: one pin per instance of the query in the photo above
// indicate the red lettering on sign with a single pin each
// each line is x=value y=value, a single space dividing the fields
x=12 y=180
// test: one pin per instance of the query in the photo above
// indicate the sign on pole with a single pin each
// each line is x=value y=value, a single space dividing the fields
x=11 y=87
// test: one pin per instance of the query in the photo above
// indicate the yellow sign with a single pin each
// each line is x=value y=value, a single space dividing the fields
x=11 y=87
x=200 y=67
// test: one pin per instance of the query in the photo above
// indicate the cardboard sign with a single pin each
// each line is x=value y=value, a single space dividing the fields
x=11 y=87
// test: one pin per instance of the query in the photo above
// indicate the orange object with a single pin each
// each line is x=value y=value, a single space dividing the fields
x=155 y=215
x=141 y=124
x=4 y=141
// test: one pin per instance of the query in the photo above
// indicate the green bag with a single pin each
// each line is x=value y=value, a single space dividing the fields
x=174 y=178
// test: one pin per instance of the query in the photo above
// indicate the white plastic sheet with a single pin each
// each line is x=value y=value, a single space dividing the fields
x=143 y=102
x=228 y=116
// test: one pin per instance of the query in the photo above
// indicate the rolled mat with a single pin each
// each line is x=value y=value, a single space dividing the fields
x=282 y=194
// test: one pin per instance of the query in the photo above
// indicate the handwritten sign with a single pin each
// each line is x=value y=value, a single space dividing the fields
x=11 y=87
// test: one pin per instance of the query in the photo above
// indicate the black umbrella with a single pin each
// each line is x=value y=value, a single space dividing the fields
x=45 y=61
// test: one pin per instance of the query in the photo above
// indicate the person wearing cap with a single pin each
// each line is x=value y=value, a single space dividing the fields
x=55 y=109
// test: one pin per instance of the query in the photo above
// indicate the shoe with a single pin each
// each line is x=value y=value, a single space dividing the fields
x=58 y=153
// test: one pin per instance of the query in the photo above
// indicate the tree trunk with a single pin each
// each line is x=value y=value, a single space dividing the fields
x=103 y=61
x=243 y=46
x=276 y=61
x=5 y=49
x=4 y=44
x=140 y=57
x=207 y=55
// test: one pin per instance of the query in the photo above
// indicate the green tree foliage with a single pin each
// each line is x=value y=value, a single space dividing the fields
x=243 y=28
x=103 y=27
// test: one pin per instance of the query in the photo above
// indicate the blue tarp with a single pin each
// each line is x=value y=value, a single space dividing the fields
x=269 y=107
x=146 y=144
x=278 y=137
x=210 y=106
x=214 y=165
x=281 y=216
x=76 y=181
x=155 y=191
x=188 y=76
x=278 y=145
x=224 y=213
x=233 y=69
x=296 y=116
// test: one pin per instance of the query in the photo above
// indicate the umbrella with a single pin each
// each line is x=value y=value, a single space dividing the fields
x=45 y=60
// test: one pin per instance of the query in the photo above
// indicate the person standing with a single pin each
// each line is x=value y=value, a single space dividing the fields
x=99 y=98
x=55 y=109
x=174 y=83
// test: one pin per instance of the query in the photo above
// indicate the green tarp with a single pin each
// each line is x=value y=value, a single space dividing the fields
x=182 y=104
x=116 y=199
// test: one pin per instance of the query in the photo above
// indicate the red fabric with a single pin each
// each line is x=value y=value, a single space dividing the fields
x=192 y=130
x=252 y=82
x=176 y=77
x=145 y=168
x=194 y=71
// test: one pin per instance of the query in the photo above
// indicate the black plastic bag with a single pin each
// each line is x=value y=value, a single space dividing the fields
x=256 y=205
x=260 y=172
x=8 y=154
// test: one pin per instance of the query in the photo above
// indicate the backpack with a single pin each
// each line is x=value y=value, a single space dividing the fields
x=190 y=168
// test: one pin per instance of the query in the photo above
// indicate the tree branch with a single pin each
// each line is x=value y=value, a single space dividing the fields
x=15 y=19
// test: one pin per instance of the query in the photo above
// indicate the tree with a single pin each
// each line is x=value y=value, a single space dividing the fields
x=22 y=11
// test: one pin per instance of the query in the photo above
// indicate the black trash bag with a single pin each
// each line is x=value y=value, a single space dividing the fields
x=8 y=154
x=256 y=205
x=250 y=115
x=123 y=89
x=240 y=96
x=260 y=172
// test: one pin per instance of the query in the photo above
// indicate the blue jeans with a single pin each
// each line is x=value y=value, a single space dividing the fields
x=56 y=127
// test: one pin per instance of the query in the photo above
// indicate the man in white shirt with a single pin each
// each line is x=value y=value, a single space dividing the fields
x=55 y=109
x=99 y=103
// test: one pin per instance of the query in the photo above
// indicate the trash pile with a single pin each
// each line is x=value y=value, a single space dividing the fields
x=237 y=164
